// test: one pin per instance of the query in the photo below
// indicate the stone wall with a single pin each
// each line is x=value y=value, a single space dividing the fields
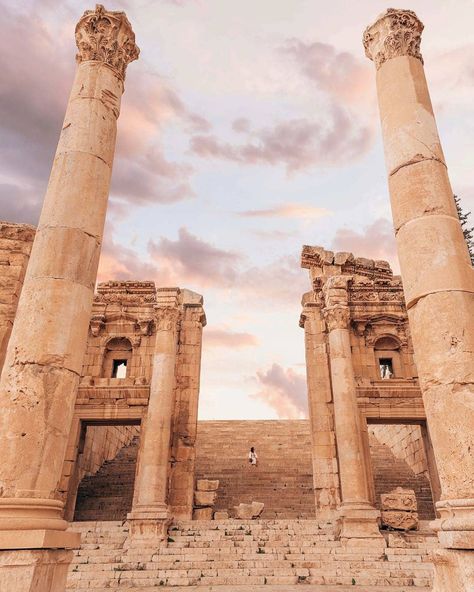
x=16 y=241
x=405 y=442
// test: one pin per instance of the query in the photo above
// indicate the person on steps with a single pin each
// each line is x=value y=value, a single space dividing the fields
x=253 y=458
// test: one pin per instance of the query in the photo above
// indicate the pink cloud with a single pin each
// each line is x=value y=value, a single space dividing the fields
x=282 y=281
x=195 y=261
x=376 y=241
x=285 y=391
x=223 y=337
x=289 y=210
x=296 y=144
x=339 y=73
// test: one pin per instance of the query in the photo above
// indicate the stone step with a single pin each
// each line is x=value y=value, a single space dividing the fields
x=242 y=553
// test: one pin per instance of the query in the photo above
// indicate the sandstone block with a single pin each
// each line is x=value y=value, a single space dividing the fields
x=221 y=515
x=400 y=520
x=204 y=498
x=399 y=499
x=207 y=484
x=202 y=514
x=248 y=511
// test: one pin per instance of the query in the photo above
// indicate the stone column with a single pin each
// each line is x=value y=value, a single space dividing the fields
x=150 y=513
x=44 y=356
x=188 y=371
x=437 y=274
x=320 y=406
x=359 y=519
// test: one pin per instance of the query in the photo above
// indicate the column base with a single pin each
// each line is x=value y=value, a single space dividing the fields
x=453 y=570
x=20 y=513
x=147 y=531
x=358 y=521
x=148 y=523
x=455 y=526
x=24 y=571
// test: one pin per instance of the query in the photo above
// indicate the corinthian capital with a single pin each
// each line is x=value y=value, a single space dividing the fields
x=337 y=317
x=166 y=318
x=106 y=36
x=395 y=33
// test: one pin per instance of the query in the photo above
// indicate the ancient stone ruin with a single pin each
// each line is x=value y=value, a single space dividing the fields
x=107 y=479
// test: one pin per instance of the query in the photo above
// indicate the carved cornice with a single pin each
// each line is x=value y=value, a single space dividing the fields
x=395 y=33
x=106 y=36
x=337 y=317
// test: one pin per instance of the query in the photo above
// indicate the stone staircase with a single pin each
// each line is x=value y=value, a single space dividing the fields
x=244 y=555
x=391 y=472
x=108 y=494
x=283 y=479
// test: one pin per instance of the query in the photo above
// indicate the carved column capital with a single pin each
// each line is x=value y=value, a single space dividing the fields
x=337 y=317
x=395 y=33
x=166 y=318
x=145 y=325
x=106 y=36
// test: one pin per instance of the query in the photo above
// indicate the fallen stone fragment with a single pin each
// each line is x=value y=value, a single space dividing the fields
x=248 y=511
x=399 y=499
x=221 y=515
x=204 y=498
x=207 y=484
x=400 y=520
x=202 y=514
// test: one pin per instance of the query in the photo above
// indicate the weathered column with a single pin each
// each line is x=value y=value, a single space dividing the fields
x=320 y=406
x=437 y=274
x=359 y=519
x=150 y=513
x=188 y=371
x=44 y=357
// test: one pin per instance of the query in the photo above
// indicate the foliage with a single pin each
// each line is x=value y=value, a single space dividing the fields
x=467 y=230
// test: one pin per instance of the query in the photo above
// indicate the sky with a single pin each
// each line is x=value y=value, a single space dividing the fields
x=247 y=129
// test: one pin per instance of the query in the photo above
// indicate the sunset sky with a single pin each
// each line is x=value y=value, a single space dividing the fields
x=247 y=129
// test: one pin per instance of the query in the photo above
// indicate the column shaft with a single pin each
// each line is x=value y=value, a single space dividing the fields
x=151 y=484
x=437 y=273
x=359 y=519
x=40 y=377
x=320 y=404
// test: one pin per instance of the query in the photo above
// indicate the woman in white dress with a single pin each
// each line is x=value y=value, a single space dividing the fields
x=253 y=458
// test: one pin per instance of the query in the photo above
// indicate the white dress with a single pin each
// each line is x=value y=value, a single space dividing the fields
x=253 y=458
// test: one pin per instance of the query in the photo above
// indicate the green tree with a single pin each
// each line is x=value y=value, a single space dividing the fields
x=467 y=230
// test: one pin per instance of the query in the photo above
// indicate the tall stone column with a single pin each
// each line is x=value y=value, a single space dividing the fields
x=437 y=274
x=150 y=513
x=40 y=377
x=359 y=519
x=320 y=406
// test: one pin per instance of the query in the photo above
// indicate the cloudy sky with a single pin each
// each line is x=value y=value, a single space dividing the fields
x=247 y=129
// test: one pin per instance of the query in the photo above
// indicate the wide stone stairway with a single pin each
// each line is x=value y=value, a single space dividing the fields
x=244 y=555
x=283 y=479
